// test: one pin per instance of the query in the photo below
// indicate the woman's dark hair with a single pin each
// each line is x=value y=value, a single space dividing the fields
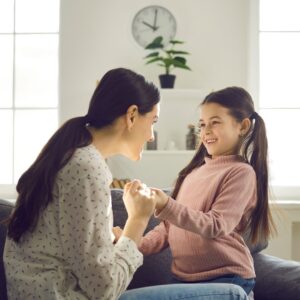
x=117 y=90
x=254 y=151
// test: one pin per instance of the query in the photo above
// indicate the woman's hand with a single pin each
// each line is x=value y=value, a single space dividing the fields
x=140 y=204
x=139 y=200
x=161 y=199
x=117 y=231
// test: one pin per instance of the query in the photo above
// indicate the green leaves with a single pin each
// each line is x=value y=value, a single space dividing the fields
x=166 y=58
x=176 y=42
x=156 y=43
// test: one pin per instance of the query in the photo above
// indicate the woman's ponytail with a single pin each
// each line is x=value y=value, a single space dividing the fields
x=35 y=185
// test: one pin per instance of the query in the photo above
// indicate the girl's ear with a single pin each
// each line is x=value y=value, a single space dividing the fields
x=245 y=126
x=131 y=116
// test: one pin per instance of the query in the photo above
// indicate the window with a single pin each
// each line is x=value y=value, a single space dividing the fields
x=29 y=34
x=279 y=96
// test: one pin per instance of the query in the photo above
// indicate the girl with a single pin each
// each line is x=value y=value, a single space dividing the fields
x=60 y=242
x=222 y=192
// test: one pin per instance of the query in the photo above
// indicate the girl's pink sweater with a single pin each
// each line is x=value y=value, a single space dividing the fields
x=202 y=227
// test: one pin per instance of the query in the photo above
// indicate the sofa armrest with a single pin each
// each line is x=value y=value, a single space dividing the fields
x=276 y=279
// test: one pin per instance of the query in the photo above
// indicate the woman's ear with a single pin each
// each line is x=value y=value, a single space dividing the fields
x=245 y=127
x=131 y=116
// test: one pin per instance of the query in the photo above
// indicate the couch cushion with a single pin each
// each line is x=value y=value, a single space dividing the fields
x=156 y=268
x=5 y=209
x=277 y=279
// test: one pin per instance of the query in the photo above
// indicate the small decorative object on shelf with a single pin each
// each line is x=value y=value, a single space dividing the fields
x=191 y=138
x=167 y=57
x=119 y=183
x=152 y=145
x=171 y=146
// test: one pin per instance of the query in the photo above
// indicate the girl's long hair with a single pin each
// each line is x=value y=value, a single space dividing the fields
x=117 y=90
x=254 y=151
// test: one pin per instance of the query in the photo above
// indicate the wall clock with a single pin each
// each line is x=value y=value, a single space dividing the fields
x=151 y=22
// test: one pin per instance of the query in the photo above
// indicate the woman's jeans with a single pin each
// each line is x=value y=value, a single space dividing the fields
x=187 y=291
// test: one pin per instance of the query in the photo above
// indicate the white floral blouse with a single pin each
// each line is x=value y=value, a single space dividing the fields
x=70 y=254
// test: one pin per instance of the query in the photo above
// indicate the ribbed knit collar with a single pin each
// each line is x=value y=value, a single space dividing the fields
x=223 y=159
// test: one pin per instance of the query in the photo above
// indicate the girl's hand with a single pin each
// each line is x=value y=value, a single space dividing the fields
x=117 y=231
x=161 y=199
x=139 y=200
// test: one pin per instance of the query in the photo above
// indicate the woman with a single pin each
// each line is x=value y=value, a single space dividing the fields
x=60 y=242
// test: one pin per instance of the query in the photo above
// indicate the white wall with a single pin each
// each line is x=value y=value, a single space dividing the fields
x=96 y=36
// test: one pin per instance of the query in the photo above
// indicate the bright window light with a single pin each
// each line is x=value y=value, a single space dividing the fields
x=279 y=97
x=6 y=149
x=279 y=15
x=7 y=16
x=29 y=37
x=279 y=69
x=283 y=145
x=37 y=16
x=36 y=70
x=6 y=71
x=33 y=128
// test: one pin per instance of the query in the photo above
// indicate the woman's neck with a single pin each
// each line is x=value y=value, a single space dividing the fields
x=106 y=141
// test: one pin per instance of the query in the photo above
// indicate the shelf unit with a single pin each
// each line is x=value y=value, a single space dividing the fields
x=160 y=167
x=178 y=109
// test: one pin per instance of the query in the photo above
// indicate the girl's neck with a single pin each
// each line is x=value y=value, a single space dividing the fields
x=223 y=159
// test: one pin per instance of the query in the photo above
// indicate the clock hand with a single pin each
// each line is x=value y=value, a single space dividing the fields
x=155 y=19
x=147 y=24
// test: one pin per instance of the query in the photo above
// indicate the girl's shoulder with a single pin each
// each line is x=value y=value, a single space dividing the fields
x=241 y=168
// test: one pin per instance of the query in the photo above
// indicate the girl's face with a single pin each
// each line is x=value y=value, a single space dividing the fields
x=142 y=132
x=219 y=131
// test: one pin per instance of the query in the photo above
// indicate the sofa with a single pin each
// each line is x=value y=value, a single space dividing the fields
x=277 y=279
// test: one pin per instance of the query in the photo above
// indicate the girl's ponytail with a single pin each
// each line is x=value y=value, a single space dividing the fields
x=261 y=223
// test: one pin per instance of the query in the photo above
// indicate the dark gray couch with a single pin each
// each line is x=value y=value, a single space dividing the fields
x=277 y=279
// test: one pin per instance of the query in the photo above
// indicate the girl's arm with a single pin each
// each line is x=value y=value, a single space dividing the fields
x=237 y=195
x=155 y=240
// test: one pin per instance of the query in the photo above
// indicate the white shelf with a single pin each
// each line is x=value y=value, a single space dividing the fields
x=182 y=94
x=168 y=152
x=156 y=168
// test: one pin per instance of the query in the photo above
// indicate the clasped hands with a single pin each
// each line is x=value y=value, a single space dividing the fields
x=140 y=202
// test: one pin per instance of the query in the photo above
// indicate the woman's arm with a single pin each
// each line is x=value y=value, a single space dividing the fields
x=103 y=269
x=140 y=205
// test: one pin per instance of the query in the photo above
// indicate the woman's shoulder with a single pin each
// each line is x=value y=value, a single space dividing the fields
x=85 y=161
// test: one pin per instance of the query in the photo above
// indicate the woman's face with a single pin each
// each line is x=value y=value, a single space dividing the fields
x=141 y=132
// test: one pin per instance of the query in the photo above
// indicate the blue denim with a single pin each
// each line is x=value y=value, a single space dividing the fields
x=246 y=284
x=187 y=291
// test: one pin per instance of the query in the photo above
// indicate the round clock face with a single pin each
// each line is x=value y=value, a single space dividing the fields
x=151 y=22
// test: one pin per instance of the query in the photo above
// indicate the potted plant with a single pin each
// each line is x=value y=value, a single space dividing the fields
x=168 y=58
